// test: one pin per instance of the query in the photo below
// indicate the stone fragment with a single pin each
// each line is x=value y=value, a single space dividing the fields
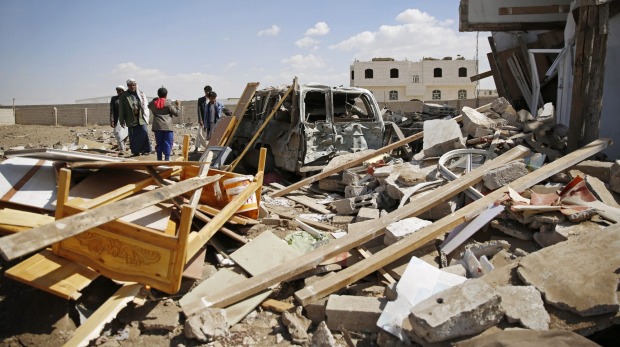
x=505 y=174
x=410 y=178
x=366 y=213
x=351 y=191
x=342 y=219
x=457 y=269
x=401 y=229
x=322 y=337
x=466 y=309
x=440 y=137
x=596 y=168
x=530 y=338
x=514 y=229
x=525 y=116
x=297 y=325
x=578 y=275
x=565 y=231
x=473 y=120
x=353 y=204
x=524 y=305
x=315 y=311
x=354 y=313
x=419 y=281
x=208 y=325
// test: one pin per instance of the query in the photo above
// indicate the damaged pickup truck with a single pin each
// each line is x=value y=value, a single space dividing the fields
x=314 y=124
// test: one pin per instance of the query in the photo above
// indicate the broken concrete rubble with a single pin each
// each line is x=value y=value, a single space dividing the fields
x=462 y=310
x=524 y=305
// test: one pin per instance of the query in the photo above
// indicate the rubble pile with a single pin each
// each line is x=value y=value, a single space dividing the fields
x=489 y=234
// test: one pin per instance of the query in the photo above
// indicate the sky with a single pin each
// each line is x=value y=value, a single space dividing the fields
x=57 y=52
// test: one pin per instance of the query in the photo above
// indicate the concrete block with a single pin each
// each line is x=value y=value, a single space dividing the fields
x=401 y=229
x=353 y=204
x=525 y=116
x=598 y=169
x=419 y=281
x=473 y=120
x=465 y=309
x=504 y=174
x=440 y=136
x=332 y=183
x=354 y=313
x=315 y=311
x=512 y=228
x=342 y=219
x=500 y=105
x=351 y=191
x=524 y=305
x=274 y=220
x=366 y=213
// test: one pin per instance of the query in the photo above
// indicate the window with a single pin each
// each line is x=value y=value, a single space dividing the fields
x=437 y=72
x=462 y=94
x=437 y=94
x=393 y=73
x=368 y=73
x=352 y=75
x=393 y=95
x=416 y=79
x=462 y=72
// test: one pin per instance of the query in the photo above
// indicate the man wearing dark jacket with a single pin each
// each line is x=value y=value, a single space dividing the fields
x=201 y=137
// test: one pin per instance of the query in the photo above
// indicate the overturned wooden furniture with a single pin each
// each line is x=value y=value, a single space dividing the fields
x=129 y=252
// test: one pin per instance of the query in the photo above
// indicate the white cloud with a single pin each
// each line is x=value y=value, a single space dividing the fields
x=420 y=35
x=301 y=62
x=306 y=42
x=273 y=31
x=319 y=29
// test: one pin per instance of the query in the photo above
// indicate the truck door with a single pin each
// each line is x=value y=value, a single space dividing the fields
x=317 y=126
x=357 y=122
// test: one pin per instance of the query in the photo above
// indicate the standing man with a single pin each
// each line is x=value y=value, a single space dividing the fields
x=133 y=112
x=213 y=112
x=201 y=137
x=163 y=110
x=120 y=133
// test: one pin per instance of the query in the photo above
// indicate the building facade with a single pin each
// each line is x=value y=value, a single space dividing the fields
x=427 y=80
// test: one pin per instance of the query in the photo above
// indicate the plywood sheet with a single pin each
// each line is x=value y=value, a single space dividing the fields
x=28 y=182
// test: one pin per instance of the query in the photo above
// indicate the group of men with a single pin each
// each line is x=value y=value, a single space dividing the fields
x=130 y=115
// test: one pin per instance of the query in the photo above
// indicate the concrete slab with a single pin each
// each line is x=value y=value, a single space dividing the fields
x=524 y=305
x=264 y=253
x=578 y=275
x=354 y=313
x=420 y=281
x=401 y=229
x=466 y=309
x=530 y=338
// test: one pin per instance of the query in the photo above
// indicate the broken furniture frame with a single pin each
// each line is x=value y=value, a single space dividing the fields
x=130 y=252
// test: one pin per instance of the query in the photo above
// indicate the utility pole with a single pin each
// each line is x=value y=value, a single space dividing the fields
x=13 y=108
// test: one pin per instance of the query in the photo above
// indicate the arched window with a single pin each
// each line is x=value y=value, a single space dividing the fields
x=462 y=94
x=393 y=95
x=437 y=72
x=393 y=73
x=437 y=94
x=368 y=73
x=416 y=79
x=352 y=75
x=462 y=72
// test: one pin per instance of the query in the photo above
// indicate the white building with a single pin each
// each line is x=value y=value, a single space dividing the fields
x=429 y=79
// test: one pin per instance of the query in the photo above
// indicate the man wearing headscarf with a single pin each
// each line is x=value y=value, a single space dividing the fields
x=133 y=112
x=163 y=110
x=120 y=133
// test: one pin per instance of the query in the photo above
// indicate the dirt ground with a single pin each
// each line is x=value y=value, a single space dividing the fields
x=32 y=317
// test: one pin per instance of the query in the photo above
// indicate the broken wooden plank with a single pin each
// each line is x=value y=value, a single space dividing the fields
x=309 y=202
x=277 y=306
x=242 y=106
x=311 y=259
x=399 y=134
x=16 y=245
x=480 y=76
x=352 y=163
x=138 y=164
x=235 y=219
x=601 y=191
x=197 y=240
x=53 y=274
x=104 y=314
x=22 y=218
x=401 y=248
